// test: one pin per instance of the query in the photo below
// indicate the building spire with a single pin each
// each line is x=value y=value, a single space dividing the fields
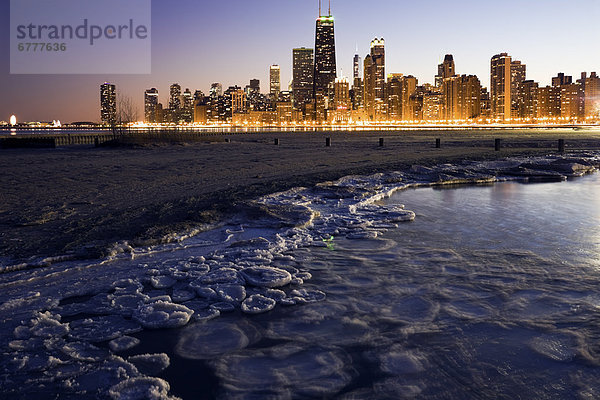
x=329 y=13
x=319 y=8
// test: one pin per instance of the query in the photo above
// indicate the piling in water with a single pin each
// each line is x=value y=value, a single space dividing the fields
x=498 y=144
x=276 y=142
x=328 y=142
x=561 y=145
x=380 y=142
x=438 y=143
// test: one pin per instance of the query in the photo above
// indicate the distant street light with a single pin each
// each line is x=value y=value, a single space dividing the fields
x=13 y=120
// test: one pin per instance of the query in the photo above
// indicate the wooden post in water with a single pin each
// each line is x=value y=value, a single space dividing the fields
x=561 y=145
x=438 y=143
x=498 y=144
x=96 y=141
x=227 y=140
x=276 y=142
x=328 y=142
x=380 y=142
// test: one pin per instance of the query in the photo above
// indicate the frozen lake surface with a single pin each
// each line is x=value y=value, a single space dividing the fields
x=337 y=291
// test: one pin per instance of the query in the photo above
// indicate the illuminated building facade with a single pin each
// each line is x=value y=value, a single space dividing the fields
x=399 y=91
x=108 y=103
x=302 y=76
x=374 y=82
x=527 y=100
x=500 y=87
x=571 y=95
x=187 y=107
x=274 y=81
x=592 y=97
x=150 y=105
x=445 y=70
x=341 y=104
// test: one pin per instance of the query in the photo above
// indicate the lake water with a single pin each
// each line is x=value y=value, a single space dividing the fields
x=491 y=292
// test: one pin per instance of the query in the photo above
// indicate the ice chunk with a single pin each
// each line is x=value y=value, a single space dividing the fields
x=180 y=295
x=230 y=293
x=123 y=343
x=257 y=304
x=266 y=276
x=206 y=314
x=100 y=329
x=95 y=382
x=44 y=325
x=127 y=303
x=221 y=275
x=83 y=351
x=307 y=296
x=127 y=286
x=162 y=282
x=150 y=364
x=141 y=388
x=206 y=341
x=162 y=314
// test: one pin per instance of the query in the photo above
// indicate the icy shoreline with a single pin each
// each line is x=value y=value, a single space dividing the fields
x=74 y=320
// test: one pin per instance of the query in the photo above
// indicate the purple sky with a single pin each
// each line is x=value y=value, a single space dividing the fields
x=195 y=43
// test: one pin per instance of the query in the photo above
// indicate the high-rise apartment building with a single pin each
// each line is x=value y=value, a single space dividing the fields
x=150 y=105
x=592 y=97
x=108 y=103
x=571 y=96
x=518 y=72
x=561 y=79
x=528 y=100
x=302 y=76
x=462 y=97
x=325 y=61
x=399 y=91
x=274 y=81
x=500 y=87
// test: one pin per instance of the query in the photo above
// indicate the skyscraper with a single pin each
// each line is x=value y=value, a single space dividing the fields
x=374 y=82
x=150 y=104
x=108 y=103
x=302 y=76
x=216 y=90
x=445 y=70
x=187 y=106
x=356 y=66
x=175 y=97
x=275 y=81
x=592 y=96
x=325 y=66
x=341 y=104
x=500 y=86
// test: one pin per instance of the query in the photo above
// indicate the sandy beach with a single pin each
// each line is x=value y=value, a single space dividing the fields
x=78 y=200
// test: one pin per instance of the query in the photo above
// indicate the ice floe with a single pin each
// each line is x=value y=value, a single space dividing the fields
x=162 y=314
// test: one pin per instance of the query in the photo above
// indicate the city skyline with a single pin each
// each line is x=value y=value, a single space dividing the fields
x=409 y=51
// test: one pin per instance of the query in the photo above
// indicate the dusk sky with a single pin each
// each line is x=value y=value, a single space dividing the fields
x=195 y=43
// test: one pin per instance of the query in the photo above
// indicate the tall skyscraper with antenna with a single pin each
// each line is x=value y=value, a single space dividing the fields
x=325 y=66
